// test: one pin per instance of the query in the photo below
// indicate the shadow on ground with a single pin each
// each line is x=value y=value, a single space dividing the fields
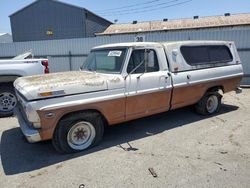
x=18 y=156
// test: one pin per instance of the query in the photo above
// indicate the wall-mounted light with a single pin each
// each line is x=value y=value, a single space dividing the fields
x=49 y=32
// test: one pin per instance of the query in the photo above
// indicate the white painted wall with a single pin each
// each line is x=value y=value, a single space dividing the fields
x=5 y=38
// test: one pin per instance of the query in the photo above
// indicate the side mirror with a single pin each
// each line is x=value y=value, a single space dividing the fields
x=175 y=54
x=174 y=57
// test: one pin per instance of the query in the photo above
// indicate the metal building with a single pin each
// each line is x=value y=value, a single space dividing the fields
x=51 y=19
x=5 y=38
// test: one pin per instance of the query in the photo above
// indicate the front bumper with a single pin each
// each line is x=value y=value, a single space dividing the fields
x=31 y=134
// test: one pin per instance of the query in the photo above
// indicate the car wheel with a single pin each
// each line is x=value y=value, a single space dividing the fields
x=78 y=132
x=8 y=100
x=209 y=104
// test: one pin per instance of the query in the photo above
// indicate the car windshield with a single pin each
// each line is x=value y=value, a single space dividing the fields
x=105 y=61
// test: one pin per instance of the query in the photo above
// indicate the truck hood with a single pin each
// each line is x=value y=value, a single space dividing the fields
x=66 y=83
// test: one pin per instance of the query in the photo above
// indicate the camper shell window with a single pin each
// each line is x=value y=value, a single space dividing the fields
x=205 y=55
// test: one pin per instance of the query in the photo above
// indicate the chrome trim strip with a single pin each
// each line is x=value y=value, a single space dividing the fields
x=147 y=91
x=206 y=80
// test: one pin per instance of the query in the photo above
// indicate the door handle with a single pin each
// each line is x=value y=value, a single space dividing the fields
x=189 y=76
x=165 y=76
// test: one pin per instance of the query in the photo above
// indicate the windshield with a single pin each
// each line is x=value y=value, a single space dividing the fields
x=105 y=61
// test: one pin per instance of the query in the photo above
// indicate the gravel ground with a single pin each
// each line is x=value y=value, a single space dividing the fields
x=183 y=148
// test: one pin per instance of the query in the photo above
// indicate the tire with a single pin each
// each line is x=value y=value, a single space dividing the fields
x=209 y=104
x=78 y=132
x=8 y=100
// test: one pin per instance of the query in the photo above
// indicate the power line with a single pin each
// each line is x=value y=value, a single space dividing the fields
x=138 y=8
x=147 y=9
x=128 y=6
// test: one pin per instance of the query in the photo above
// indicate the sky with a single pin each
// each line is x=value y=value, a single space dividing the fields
x=126 y=11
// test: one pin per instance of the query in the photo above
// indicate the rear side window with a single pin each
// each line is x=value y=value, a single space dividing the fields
x=212 y=54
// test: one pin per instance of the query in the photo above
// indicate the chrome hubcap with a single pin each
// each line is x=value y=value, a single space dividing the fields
x=212 y=103
x=81 y=135
x=7 y=101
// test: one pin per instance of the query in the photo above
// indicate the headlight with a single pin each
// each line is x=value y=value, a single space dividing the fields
x=32 y=116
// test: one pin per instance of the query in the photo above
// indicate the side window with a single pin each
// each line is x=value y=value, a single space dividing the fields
x=138 y=57
x=195 y=54
x=153 y=65
x=211 y=54
x=220 y=54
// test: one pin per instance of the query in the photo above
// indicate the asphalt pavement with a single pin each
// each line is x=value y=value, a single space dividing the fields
x=172 y=149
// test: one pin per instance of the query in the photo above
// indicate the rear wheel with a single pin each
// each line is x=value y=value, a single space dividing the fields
x=209 y=104
x=78 y=132
x=8 y=100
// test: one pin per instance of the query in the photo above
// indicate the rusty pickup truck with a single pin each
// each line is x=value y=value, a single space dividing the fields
x=123 y=82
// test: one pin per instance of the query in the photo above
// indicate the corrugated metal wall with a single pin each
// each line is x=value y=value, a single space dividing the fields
x=63 y=20
x=33 y=22
x=71 y=53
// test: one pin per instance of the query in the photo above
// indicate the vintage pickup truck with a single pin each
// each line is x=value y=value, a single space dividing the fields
x=123 y=82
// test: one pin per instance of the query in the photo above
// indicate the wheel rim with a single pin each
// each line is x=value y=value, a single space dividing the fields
x=212 y=104
x=81 y=135
x=7 y=102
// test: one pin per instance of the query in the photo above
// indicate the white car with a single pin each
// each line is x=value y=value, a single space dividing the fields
x=123 y=82
x=10 y=70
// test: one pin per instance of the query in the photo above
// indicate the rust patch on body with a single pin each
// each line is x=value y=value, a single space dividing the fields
x=115 y=111
x=191 y=94
x=147 y=104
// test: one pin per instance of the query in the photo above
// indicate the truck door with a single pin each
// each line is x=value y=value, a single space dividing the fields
x=148 y=88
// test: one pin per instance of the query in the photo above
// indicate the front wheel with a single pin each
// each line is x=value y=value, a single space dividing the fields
x=78 y=132
x=209 y=104
x=8 y=100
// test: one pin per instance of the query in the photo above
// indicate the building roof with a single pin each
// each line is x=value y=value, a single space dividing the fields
x=74 y=6
x=179 y=24
x=1 y=34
